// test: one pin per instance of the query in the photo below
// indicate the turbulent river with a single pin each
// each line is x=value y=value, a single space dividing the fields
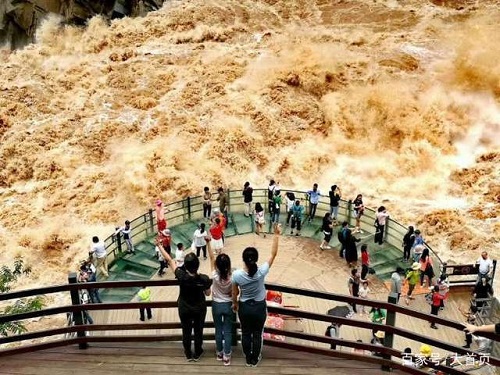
x=397 y=100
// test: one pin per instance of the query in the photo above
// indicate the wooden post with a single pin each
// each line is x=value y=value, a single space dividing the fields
x=75 y=301
x=390 y=320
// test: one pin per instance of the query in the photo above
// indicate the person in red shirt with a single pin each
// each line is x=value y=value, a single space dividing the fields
x=365 y=261
x=436 y=302
x=216 y=233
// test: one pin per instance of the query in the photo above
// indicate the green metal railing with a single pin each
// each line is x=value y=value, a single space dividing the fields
x=191 y=208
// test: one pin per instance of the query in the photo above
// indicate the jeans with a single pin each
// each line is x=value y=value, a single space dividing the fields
x=379 y=234
x=223 y=319
x=130 y=247
x=296 y=222
x=94 y=295
x=275 y=218
x=252 y=316
x=406 y=252
x=334 y=211
x=87 y=319
x=192 y=320
x=148 y=311
x=288 y=217
x=207 y=210
x=312 y=210
x=163 y=265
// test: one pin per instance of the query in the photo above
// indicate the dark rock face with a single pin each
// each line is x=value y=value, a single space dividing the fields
x=20 y=18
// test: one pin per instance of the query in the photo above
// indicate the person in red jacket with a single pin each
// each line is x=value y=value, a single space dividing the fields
x=436 y=302
x=216 y=233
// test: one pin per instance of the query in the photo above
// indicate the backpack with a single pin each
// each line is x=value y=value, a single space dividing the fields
x=270 y=193
x=341 y=236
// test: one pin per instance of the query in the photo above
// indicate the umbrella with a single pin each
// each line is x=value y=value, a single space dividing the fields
x=339 y=311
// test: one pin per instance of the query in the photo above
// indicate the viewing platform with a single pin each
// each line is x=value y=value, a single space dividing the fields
x=311 y=281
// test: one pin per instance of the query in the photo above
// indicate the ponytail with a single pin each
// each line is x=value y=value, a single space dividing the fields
x=250 y=258
x=223 y=264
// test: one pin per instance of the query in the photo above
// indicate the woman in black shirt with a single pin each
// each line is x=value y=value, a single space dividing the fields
x=327 y=229
x=193 y=287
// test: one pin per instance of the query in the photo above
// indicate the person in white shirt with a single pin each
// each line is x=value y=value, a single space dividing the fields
x=179 y=255
x=380 y=221
x=98 y=249
x=127 y=236
x=363 y=292
x=199 y=239
x=485 y=265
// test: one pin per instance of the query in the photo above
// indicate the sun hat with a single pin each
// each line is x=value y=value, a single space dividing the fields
x=415 y=266
x=425 y=350
x=380 y=334
x=165 y=232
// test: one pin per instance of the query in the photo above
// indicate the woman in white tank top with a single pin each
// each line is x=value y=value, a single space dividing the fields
x=221 y=304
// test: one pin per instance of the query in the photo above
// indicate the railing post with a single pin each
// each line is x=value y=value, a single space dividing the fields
x=189 y=207
x=386 y=228
x=349 y=211
x=151 y=222
x=77 y=316
x=119 y=241
x=390 y=320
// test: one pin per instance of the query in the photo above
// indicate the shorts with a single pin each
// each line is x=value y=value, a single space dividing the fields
x=217 y=244
x=328 y=236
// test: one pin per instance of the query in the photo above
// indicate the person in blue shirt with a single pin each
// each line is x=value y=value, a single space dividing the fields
x=248 y=284
x=314 y=195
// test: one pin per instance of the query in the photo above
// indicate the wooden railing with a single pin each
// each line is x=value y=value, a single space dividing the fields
x=389 y=359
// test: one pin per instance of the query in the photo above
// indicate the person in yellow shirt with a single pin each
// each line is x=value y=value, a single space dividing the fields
x=144 y=295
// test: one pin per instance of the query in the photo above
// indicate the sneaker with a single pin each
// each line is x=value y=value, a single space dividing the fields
x=220 y=356
x=248 y=364
x=189 y=359
x=327 y=248
x=197 y=357
x=291 y=232
x=321 y=247
x=227 y=360
x=256 y=363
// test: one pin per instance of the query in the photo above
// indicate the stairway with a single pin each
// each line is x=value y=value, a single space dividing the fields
x=143 y=264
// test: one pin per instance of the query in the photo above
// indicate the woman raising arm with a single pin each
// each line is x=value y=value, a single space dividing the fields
x=248 y=284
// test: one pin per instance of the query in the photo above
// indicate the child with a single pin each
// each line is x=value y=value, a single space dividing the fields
x=179 y=255
x=363 y=293
x=365 y=261
x=144 y=295
x=444 y=287
x=437 y=298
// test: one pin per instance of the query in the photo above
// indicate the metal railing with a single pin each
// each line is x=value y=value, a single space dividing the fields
x=191 y=208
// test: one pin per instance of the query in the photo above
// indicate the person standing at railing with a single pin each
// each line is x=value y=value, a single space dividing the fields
x=127 y=236
x=359 y=210
x=222 y=290
x=485 y=267
x=271 y=189
x=380 y=221
x=351 y=250
x=223 y=203
x=408 y=240
x=98 y=249
x=207 y=202
x=290 y=201
x=247 y=198
x=260 y=219
x=297 y=213
x=327 y=229
x=277 y=200
x=342 y=235
x=426 y=267
x=161 y=222
x=144 y=295
x=216 y=233
x=418 y=245
x=248 y=284
x=193 y=287
x=335 y=196
x=436 y=303
x=314 y=194
x=199 y=238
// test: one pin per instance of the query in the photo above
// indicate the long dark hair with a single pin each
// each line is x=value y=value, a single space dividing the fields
x=425 y=254
x=258 y=207
x=250 y=257
x=411 y=230
x=381 y=209
x=223 y=264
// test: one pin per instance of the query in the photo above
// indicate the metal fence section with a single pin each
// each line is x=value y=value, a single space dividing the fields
x=191 y=208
